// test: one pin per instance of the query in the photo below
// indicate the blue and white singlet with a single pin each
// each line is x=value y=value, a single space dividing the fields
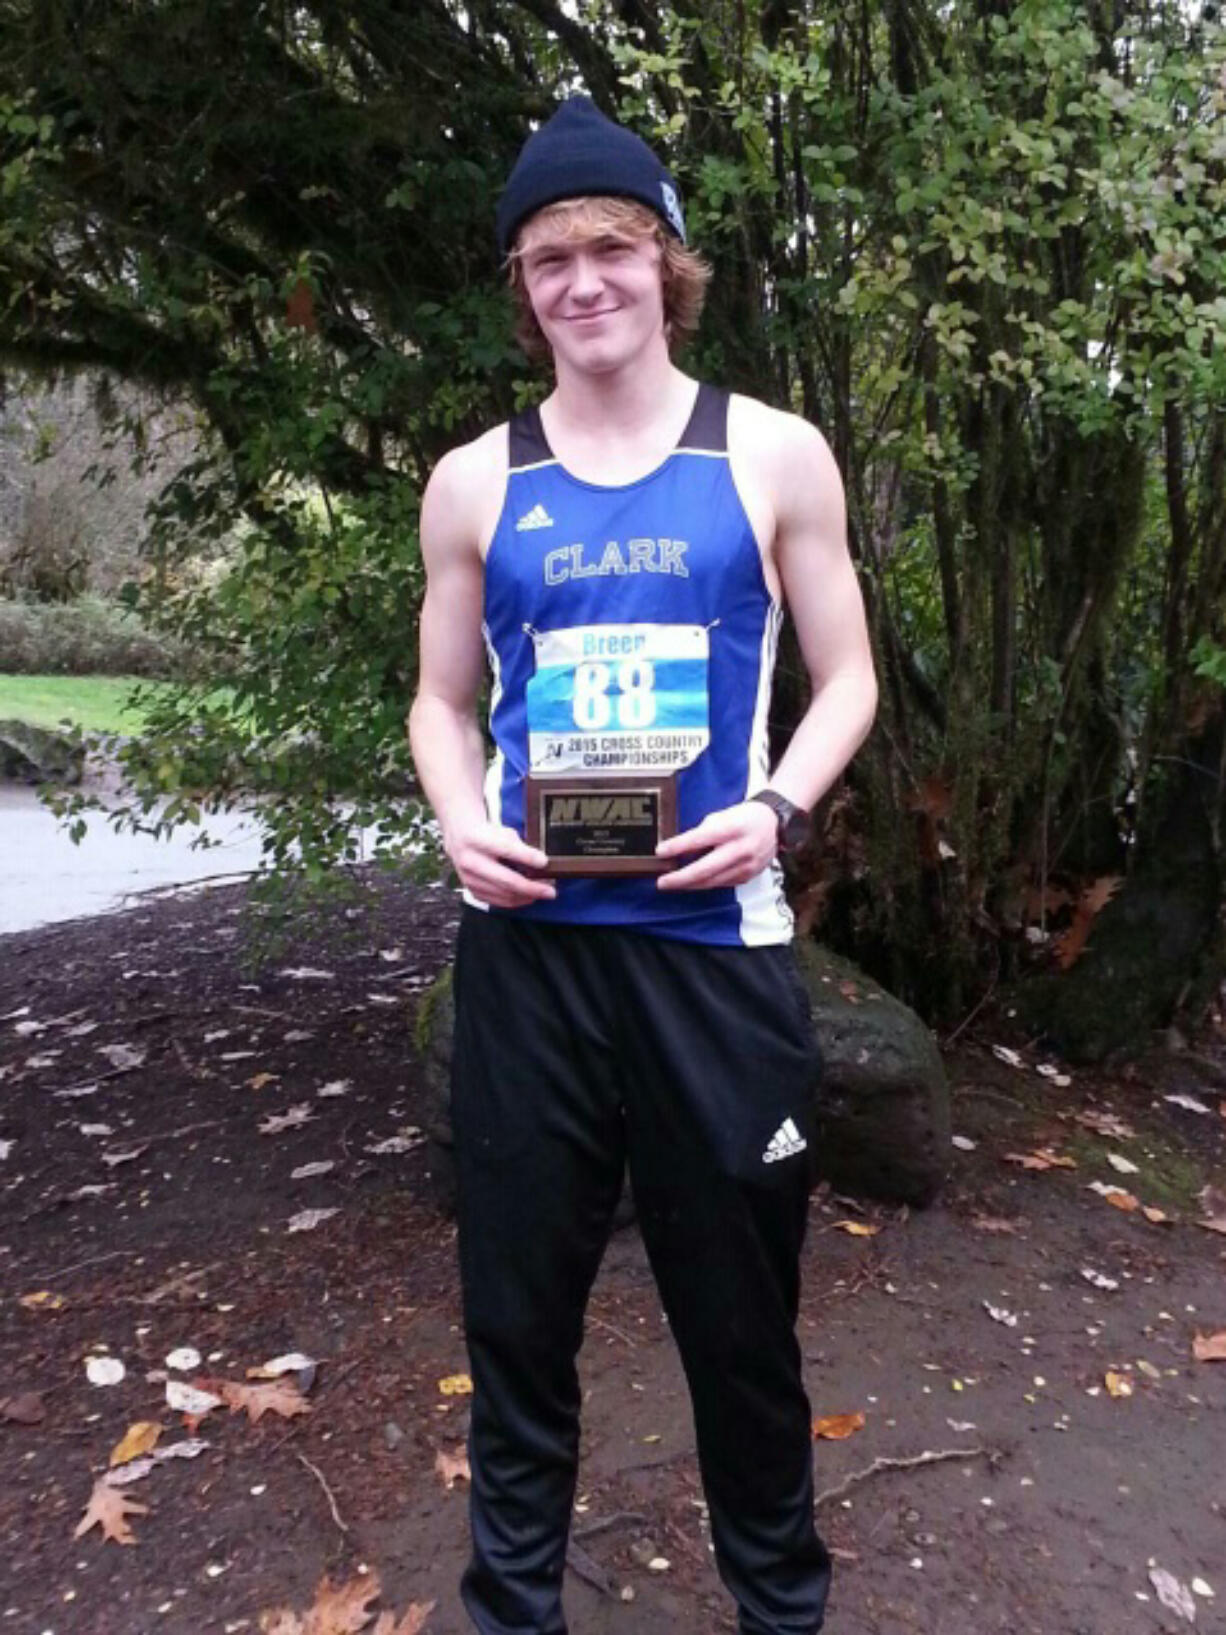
x=630 y=629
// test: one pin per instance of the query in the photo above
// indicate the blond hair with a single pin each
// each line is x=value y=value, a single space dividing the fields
x=683 y=272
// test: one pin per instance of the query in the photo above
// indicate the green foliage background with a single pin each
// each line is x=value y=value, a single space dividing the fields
x=980 y=243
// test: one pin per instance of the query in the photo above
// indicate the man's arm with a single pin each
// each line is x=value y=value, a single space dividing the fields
x=823 y=596
x=819 y=584
x=448 y=749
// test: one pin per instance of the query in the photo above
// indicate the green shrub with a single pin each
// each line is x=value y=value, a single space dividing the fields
x=88 y=637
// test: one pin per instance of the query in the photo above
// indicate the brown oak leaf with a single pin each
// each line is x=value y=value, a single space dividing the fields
x=278 y=1397
x=339 y=1609
x=109 y=1509
x=413 y=1622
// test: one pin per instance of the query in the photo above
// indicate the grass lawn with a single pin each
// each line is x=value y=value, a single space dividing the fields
x=96 y=703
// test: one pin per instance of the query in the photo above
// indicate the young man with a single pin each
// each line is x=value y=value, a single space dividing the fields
x=622 y=556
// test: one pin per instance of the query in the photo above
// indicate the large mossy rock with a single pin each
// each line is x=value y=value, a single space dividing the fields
x=882 y=1104
x=883 y=1124
x=35 y=755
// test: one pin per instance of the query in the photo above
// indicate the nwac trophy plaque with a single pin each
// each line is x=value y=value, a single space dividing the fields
x=608 y=825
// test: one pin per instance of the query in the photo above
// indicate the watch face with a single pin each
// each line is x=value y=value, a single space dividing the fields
x=795 y=829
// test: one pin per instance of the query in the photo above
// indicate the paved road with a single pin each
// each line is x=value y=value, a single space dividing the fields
x=44 y=877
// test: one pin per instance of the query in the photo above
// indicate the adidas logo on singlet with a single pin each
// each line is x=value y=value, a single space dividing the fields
x=786 y=1142
x=538 y=517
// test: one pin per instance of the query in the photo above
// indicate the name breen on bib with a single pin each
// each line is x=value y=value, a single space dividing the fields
x=636 y=556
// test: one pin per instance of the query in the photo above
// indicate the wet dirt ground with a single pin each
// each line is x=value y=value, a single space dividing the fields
x=996 y=1483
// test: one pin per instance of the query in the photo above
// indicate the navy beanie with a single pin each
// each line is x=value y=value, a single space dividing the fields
x=580 y=153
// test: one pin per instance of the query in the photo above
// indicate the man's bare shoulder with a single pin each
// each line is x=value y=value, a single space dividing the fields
x=786 y=459
x=464 y=494
x=773 y=435
x=470 y=467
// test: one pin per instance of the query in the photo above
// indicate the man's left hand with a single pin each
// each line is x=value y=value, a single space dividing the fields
x=737 y=843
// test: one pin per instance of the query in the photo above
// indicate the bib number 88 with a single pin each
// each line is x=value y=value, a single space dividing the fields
x=634 y=701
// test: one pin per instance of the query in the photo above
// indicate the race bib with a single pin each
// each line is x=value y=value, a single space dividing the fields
x=618 y=698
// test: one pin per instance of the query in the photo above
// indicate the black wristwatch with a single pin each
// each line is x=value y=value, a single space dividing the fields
x=795 y=825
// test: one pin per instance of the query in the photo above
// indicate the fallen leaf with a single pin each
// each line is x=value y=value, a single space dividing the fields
x=963 y=1143
x=1004 y=1054
x=190 y=1400
x=456 y=1385
x=335 y=1087
x=1100 y=1280
x=338 y=1609
x=121 y=1056
x=305 y=1172
x=24 y=1409
x=1119 y=1385
x=109 y=1509
x=1107 y=1124
x=1119 y=1199
x=452 y=1467
x=1175 y=1597
x=308 y=973
x=1210 y=1347
x=1123 y=1166
x=290 y=1362
x=1113 y=1194
x=41 y=1300
x=258 y=1080
x=1153 y=1213
x=138 y=1469
x=1189 y=1103
x=306 y=1220
x=116 y=1157
x=183 y=1359
x=292 y=1119
x=1041 y=1159
x=993 y=1223
x=857 y=1229
x=837 y=1427
x=1000 y=1315
x=137 y=1439
x=279 y=1397
x=413 y=1622
x=408 y=1139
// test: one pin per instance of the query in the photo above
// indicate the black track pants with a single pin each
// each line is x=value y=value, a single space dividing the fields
x=578 y=1049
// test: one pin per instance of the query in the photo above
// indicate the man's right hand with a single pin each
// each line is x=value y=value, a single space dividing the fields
x=488 y=858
